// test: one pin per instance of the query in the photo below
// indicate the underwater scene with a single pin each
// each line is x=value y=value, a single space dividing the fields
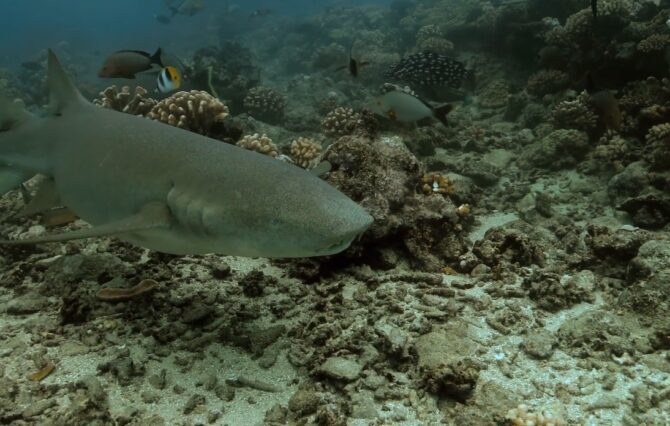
x=335 y=213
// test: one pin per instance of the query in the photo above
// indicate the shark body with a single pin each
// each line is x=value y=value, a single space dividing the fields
x=167 y=189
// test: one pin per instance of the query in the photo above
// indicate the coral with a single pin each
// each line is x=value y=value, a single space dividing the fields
x=456 y=381
x=559 y=149
x=494 y=95
x=658 y=139
x=435 y=183
x=123 y=100
x=547 y=81
x=577 y=28
x=553 y=292
x=259 y=143
x=305 y=152
x=620 y=8
x=431 y=38
x=509 y=247
x=196 y=111
x=612 y=152
x=521 y=416
x=654 y=43
x=384 y=177
x=575 y=114
x=340 y=122
x=265 y=104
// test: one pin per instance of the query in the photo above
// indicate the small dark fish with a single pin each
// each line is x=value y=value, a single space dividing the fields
x=353 y=66
x=429 y=69
x=162 y=19
x=186 y=7
x=128 y=63
x=32 y=65
x=258 y=13
x=594 y=9
x=605 y=103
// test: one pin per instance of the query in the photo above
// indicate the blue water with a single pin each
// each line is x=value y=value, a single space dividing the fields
x=93 y=26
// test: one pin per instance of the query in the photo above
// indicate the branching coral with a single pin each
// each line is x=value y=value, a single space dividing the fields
x=196 y=111
x=547 y=81
x=259 y=143
x=435 y=183
x=521 y=416
x=431 y=38
x=658 y=139
x=340 y=122
x=137 y=103
x=577 y=28
x=305 y=152
x=575 y=114
x=265 y=104
x=654 y=43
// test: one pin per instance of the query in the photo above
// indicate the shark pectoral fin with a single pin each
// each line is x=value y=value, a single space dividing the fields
x=46 y=198
x=151 y=216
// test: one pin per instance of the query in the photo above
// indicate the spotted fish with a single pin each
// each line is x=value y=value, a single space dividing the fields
x=429 y=69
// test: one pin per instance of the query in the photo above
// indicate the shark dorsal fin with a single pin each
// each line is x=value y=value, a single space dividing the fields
x=62 y=93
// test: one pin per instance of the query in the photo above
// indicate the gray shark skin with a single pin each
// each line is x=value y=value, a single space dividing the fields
x=170 y=190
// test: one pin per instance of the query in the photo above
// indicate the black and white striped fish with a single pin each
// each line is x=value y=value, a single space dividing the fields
x=169 y=79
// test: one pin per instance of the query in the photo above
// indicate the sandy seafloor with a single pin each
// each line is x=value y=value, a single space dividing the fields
x=177 y=355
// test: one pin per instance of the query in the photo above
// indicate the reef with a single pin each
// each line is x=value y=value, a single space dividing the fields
x=516 y=272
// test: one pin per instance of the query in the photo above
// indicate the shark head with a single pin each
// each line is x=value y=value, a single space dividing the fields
x=305 y=218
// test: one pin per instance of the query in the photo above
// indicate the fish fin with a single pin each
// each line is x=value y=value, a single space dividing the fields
x=139 y=52
x=62 y=93
x=442 y=111
x=11 y=178
x=46 y=198
x=157 y=58
x=590 y=83
x=321 y=169
x=151 y=216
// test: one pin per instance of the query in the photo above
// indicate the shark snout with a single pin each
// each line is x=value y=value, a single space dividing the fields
x=358 y=221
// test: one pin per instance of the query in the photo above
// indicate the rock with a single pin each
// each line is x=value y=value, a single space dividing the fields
x=38 y=408
x=652 y=256
x=498 y=158
x=193 y=402
x=304 y=402
x=394 y=339
x=341 y=368
x=363 y=405
x=196 y=313
x=539 y=344
x=26 y=304
x=71 y=348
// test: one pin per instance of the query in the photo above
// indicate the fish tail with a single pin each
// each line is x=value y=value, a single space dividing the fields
x=157 y=58
x=441 y=112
